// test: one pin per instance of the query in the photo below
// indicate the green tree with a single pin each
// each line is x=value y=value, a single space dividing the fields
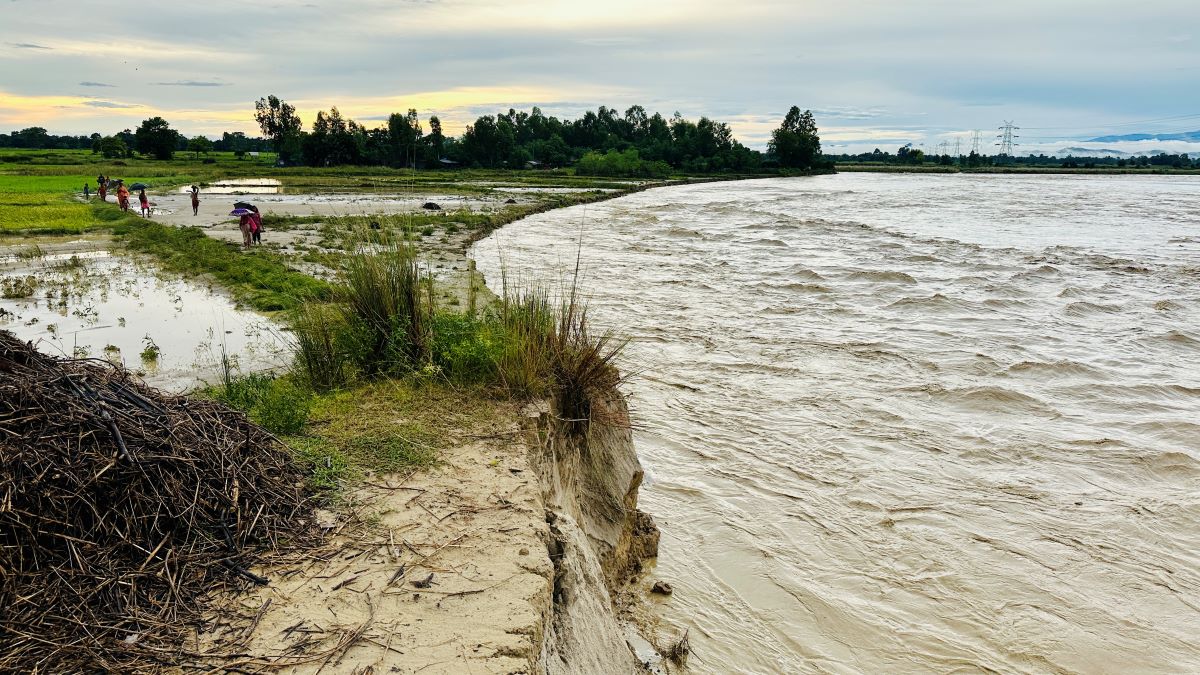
x=796 y=143
x=156 y=137
x=278 y=120
x=198 y=145
x=112 y=147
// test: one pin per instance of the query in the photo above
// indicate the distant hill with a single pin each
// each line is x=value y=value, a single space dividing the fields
x=1190 y=136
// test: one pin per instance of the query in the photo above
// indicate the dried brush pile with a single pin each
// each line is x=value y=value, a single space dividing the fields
x=121 y=510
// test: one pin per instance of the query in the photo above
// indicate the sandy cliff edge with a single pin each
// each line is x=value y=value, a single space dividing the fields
x=505 y=558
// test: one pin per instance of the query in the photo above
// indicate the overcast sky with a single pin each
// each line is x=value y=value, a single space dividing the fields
x=875 y=72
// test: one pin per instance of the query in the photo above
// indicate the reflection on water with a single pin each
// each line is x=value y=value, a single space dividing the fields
x=239 y=186
x=911 y=423
x=98 y=305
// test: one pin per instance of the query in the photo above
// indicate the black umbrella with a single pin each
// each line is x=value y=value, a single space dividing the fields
x=243 y=205
x=138 y=186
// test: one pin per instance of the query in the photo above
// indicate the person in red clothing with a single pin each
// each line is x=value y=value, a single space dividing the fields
x=122 y=196
x=256 y=225
x=145 y=203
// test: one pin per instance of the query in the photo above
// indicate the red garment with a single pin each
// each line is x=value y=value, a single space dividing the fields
x=255 y=222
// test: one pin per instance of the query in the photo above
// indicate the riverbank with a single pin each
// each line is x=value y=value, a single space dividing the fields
x=488 y=478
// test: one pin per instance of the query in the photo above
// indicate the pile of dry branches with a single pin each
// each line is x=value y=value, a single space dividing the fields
x=122 y=509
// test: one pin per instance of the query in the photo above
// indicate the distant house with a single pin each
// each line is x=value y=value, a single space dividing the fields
x=533 y=164
x=448 y=163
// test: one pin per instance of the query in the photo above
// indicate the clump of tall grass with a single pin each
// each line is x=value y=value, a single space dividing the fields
x=320 y=355
x=383 y=322
x=384 y=304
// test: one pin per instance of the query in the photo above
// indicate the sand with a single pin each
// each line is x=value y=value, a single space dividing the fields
x=474 y=528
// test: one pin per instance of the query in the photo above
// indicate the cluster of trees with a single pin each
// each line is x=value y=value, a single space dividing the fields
x=910 y=156
x=601 y=141
x=154 y=138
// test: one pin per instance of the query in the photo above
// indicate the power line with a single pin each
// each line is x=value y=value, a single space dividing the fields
x=976 y=141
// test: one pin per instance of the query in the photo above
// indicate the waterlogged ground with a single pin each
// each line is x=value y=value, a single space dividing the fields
x=76 y=297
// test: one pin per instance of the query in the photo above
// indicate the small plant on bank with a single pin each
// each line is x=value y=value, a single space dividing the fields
x=150 y=351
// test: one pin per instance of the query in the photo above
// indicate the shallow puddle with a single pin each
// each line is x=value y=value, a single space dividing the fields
x=240 y=186
x=98 y=304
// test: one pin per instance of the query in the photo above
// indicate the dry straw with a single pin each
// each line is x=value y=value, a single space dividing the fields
x=122 y=509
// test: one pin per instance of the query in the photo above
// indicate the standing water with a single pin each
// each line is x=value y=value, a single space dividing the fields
x=897 y=423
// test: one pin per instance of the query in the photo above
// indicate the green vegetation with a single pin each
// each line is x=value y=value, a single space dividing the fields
x=795 y=143
x=156 y=138
x=258 y=279
x=626 y=163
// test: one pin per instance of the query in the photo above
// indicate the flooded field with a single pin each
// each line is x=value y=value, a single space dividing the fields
x=89 y=302
x=910 y=424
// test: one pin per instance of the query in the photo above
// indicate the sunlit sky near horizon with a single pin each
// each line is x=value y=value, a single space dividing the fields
x=877 y=73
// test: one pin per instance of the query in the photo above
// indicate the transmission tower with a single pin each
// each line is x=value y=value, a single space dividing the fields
x=976 y=141
x=958 y=147
x=1007 y=138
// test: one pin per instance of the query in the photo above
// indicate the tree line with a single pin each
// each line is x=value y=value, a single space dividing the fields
x=909 y=156
x=601 y=142
x=125 y=143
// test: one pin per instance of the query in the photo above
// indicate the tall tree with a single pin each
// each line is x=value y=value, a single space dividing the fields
x=156 y=137
x=279 y=121
x=796 y=143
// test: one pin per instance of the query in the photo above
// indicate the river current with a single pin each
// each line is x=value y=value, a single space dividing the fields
x=908 y=424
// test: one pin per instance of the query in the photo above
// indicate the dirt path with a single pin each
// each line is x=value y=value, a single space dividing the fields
x=451 y=574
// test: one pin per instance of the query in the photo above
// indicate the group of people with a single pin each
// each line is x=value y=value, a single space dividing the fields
x=102 y=185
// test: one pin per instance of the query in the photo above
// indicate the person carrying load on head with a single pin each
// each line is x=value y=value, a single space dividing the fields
x=122 y=196
x=102 y=188
x=195 y=200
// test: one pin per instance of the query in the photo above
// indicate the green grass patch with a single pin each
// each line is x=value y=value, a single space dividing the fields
x=257 y=278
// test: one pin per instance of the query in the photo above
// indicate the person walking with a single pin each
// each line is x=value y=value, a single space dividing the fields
x=102 y=188
x=255 y=225
x=145 y=203
x=87 y=192
x=122 y=195
x=244 y=226
x=195 y=200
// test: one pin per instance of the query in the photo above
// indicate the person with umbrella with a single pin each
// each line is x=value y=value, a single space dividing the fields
x=195 y=200
x=243 y=224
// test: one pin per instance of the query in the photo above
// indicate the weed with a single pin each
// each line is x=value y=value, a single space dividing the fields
x=13 y=288
x=150 y=350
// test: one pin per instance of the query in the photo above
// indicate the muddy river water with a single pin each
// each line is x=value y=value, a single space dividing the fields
x=910 y=423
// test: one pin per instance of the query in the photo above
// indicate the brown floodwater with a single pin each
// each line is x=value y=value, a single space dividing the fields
x=909 y=424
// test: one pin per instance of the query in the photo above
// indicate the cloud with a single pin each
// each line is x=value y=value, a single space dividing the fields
x=110 y=104
x=190 y=83
x=95 y=84
x=28 y=45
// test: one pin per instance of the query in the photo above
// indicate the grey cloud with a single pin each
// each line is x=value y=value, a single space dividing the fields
x=110 y=104
x=95 y=84
x=29 y=45
x=190 y=83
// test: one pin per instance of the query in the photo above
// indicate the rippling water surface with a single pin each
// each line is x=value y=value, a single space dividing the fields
x=911 y=423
